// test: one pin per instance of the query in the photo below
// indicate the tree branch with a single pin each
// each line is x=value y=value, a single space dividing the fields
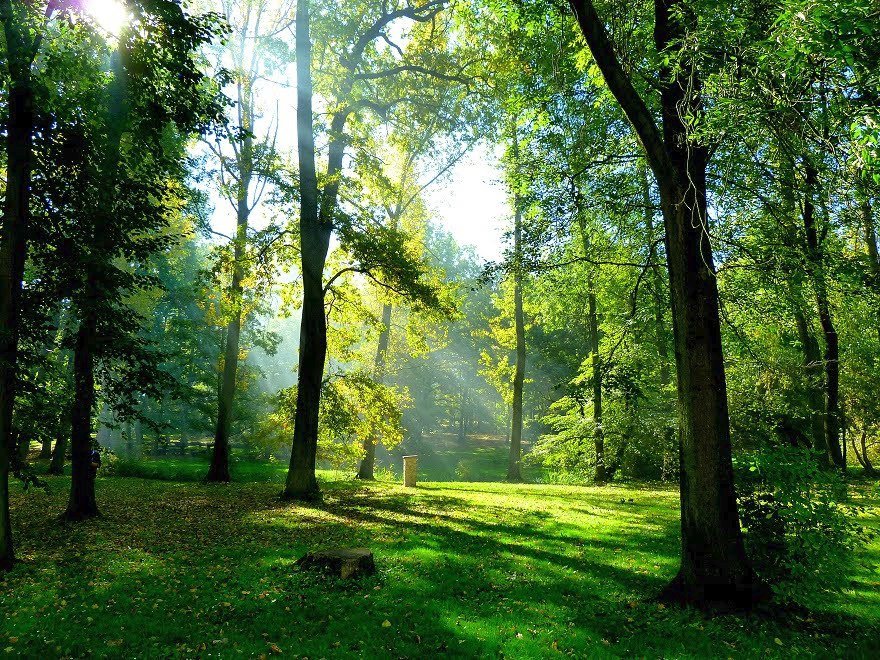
x=632 y=104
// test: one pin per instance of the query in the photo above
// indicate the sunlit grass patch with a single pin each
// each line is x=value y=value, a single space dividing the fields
x=180 y=569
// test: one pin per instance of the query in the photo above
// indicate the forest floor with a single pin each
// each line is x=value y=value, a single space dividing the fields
x=181 y=569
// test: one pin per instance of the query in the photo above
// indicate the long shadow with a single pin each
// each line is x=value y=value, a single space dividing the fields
x=445 y=581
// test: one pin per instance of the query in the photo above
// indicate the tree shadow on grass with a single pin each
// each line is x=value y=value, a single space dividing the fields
x=174 y=567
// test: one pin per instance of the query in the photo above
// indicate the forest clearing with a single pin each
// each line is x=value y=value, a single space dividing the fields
x=426 y=328
x=176 y=569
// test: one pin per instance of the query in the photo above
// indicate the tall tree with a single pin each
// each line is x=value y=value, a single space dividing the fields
x=315 y=230
x=368 y=462
x=364 y=76
x=714 y=567
x=123 y=167
x=817 y=266
x=255 y=29
x=514 y=459
x=24 y=26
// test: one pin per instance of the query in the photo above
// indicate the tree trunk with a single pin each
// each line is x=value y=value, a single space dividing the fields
x=13 y=247
x=862 y=456
x=870 y=231
x=129 y=440
x=812 y=354
x=514 y=463
x=219 y=470
x=871 y=237
x=59 y=454
x=315 y=230
x=462 y=435
x=826 y=320
x=596 y=364
x=369 y=460
x=46 y=449
x=714 y=569
x=82 y=503
x=601 y=474
x=813 y=371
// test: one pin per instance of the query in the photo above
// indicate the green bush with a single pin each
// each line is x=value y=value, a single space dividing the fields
x=800 y=527
x=109 y=463
x=385 y=474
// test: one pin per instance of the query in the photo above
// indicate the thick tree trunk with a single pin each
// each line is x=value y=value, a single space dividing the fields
x=13 y=249
x=46 y=449
x=82 y=503
x=832 y=350
x=713 y=563
x=59 y=454
x=514 y=462
x=301 y=481
x=714 y=568
x=369 y=446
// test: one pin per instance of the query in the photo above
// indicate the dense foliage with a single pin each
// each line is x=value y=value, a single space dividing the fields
x=688 y=278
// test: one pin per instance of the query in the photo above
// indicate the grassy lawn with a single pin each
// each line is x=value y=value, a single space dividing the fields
x=443 y=457
x=180 y=569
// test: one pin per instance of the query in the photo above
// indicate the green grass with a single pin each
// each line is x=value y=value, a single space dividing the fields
x=443 y=457
x=195 y=469
x=180 y=569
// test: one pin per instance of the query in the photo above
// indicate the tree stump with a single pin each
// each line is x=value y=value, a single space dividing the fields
x=346 y=563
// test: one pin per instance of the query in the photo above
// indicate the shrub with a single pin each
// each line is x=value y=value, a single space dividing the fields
x=382 y=473
x=109 y=463
x=464 y=471
x=800 y=527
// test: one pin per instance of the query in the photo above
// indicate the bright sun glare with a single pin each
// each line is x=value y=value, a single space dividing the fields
x=110 y=15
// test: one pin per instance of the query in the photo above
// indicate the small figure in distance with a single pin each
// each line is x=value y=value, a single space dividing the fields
x=94 y=463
